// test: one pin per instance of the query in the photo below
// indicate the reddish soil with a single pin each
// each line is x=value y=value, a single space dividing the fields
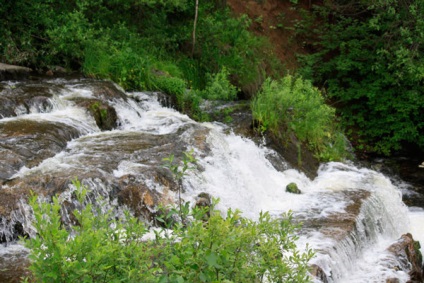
x=275 y=19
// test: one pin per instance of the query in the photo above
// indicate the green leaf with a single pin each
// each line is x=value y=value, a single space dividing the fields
x=211 y=259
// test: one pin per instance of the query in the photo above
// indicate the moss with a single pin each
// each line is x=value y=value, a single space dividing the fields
x=293 y=189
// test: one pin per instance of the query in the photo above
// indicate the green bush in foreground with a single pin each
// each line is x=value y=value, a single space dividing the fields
x=222 y=249
x=293 y=105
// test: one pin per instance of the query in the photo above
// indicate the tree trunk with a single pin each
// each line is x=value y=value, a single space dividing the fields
x=194 y=27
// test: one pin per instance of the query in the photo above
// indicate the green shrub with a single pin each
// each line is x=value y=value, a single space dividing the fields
x=188 y=101
x=293 y=105
x=171 y=85
x=101 y=248
x=192 y=73
x=219 y=87
x=70 y=36
x=125 y=63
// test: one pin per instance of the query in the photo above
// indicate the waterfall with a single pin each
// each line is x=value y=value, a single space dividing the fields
x=238 y=173
x=350 y=215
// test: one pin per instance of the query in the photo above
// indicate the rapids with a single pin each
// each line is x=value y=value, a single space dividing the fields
x=350 y=214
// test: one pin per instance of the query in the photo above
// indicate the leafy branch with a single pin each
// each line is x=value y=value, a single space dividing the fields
x=178 y=170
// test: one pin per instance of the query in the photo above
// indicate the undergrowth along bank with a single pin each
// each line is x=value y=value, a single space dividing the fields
x=293 y=105
x=207 y=247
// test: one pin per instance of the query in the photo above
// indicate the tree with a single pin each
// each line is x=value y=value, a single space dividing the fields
x=369 y=59
x=196 y=11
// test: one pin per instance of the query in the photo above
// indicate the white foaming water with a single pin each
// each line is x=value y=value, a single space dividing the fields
x=238 y=172
x=150 y=116
x=62 y=111
x=416 y=216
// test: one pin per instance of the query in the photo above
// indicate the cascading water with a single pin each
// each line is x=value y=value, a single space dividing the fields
x=350 y=215
x=239 y=174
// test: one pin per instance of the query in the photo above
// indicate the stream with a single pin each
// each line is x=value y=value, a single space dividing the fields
x=55 y=130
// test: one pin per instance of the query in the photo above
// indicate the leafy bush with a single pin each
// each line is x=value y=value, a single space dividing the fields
x=219 y=87
x=101 y=248
x=369 y=57
x=293 y=105
x=23 y=37
x=171 y=85
x=69 y=38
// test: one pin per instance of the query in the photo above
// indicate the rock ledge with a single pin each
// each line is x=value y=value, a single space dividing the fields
x=12 y=72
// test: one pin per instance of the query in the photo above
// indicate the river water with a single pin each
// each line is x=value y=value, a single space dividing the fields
x=350 y=214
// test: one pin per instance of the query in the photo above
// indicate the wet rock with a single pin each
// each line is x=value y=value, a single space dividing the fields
x=12 y=72
x=56 y=70
x=138 y=197
x=318 y=273
x=203 y=200
x=13 y=218
x=14 y=264
x=103 y=113
x=293 y=189
x=20 y=99
x=340 y=227
x=106 y=90
x=119 y=168
x=28 y=142
x=408 y=251
x=295 y=153
x=166 y=100
x=7 y=107
x=237 y=115
x=95 y=160
x=337 y=225
x=11 y=163
x=351 y=227
x=40 y=104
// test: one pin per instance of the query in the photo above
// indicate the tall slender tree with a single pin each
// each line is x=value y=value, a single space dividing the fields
x=196 y=12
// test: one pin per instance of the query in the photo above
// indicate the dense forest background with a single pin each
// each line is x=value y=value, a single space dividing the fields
x=364 y=58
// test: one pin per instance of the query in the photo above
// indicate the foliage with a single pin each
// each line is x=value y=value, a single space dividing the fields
x=369 y=58
x=23 y=31
x=219 y=87
x=293 y=105
x=224 y=41
x=179 y=171
x=130 y=41
x=101 y=248
x=171 y=85
x=69 y=39
x=120 y=63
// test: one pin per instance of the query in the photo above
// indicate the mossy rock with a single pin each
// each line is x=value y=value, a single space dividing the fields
x=293 y=189
x=104 y=114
